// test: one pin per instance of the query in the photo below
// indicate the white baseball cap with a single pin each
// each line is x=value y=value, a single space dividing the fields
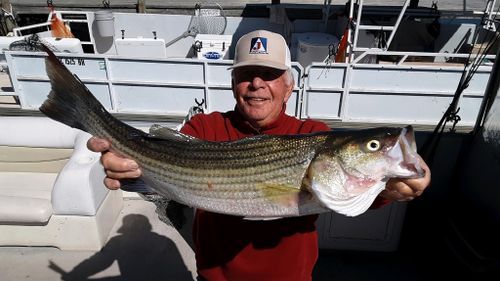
x=262 y=48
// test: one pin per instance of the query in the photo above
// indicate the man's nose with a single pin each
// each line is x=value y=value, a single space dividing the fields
x=258 y=82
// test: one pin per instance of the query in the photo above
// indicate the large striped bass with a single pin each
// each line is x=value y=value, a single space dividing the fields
x=258 y=177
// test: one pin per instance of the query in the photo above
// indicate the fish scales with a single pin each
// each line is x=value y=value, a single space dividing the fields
x=248 y=161
x=282 y=159
x=240 y=154
x=261 y=176
x=222 y=181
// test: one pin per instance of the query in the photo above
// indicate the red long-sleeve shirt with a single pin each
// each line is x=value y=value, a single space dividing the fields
x=231 y=248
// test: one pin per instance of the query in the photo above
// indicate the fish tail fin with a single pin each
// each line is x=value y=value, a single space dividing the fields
x=69 y=101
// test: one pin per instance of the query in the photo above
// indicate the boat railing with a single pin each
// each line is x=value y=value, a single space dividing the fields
x=401 y=92
x=19 y=31
x=398 y=93
x=142 y=86
x=358 y=53
x=80 y=19
x=376 y=86
x=381 y=28
x=429 y=57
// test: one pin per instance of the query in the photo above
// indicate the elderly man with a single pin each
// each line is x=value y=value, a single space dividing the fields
x=229 y=247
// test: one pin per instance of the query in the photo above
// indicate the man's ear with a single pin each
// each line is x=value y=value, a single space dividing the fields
x=288 y=94
x=232 y=87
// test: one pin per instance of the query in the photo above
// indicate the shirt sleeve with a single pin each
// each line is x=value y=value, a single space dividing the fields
x=194 y=127
x=313 y=126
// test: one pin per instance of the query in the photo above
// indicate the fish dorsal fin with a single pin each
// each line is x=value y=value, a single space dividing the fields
x=161 y=132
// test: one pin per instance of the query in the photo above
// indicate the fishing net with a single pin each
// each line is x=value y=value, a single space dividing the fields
x=208 y=18
x=31 y=43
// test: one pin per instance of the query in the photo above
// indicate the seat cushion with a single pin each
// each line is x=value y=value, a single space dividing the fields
x=26 y=197
x=24 y=210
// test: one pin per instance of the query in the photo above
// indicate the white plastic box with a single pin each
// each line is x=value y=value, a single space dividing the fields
x=65 y=45
x=212 y=46
x=141 y=47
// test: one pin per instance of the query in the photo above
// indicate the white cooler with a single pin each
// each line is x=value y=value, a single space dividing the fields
x=212 y=46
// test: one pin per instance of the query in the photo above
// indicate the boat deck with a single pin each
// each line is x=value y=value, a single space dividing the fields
x=162 y=254
x=5 y=87
x=162 y=249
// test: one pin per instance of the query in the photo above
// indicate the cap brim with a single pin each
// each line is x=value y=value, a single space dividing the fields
x=260 y=63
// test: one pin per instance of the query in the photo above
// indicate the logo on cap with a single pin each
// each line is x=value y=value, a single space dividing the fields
x=258 y=45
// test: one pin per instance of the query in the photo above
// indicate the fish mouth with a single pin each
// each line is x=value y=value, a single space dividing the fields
x=405 y=150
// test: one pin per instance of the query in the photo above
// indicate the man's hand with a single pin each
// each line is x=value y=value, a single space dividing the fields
x=115 y=166
x=407 y=189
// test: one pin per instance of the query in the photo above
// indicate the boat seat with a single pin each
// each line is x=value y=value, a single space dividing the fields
x=51 y=187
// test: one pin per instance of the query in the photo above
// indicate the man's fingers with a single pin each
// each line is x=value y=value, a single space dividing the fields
x=400 y=187
x=394 y=195
x=112 y=183
x=407 y=189
x=123 y=175
x=115 y=163
x=116 y=167
x=97 y=144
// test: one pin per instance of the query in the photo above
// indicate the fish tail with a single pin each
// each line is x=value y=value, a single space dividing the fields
x=69 y=101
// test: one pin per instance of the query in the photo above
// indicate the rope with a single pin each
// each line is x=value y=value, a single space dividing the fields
x=429 y=148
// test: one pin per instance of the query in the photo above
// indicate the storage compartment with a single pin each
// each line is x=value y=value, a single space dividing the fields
x=141 y=47
x=212 y=46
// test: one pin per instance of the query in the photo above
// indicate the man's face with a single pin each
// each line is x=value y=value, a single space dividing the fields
x=260 y=93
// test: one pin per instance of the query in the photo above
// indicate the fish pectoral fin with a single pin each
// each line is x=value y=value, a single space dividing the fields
x=277 y=189
x=282 y=194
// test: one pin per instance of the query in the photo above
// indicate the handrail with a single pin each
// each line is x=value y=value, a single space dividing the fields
x=398 y=21
x=17 y=30
x=392 y=29
x=405 y=55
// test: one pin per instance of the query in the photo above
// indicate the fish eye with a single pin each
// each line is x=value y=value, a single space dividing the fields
x=373 y=145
